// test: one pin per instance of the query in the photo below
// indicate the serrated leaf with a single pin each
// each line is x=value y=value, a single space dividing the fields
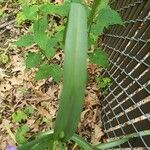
x=30 y=12
x=49 y=49
x=40 y=25
x=100 y=58
x=26 y=40
x=106 y=16
x=56 y=72
x=32 y=60
x=19 y=116
x=39 y=28
x=109 y=16
x=57 y=9
x=21 y=133
x=97 y=29
x=75 y=63
x=46 y=71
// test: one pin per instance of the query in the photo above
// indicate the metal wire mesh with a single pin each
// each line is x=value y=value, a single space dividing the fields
x=126 y=109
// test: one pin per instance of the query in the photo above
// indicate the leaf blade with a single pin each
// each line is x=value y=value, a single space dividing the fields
x=26 y=40
x=46 y=71
x=76 y=46
x=100 y=58
x=33 y=59
x=126 y=138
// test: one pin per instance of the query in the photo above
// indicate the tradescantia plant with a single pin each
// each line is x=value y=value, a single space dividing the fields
x=80 y=28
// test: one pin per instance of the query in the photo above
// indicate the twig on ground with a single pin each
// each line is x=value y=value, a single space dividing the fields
x=7 y=23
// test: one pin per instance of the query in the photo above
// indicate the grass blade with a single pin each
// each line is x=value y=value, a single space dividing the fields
x=31 y=144
x=82 y=143
x=124 y=139
x=75 y=73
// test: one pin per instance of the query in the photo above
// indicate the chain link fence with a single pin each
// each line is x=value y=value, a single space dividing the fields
x=126 y=107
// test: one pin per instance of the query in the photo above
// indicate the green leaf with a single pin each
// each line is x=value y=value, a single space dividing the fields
x=97 y=29
x=81 y=142
x=75 y=74
x=103 y=82
x=46 y=71
x=33 y=145
x=39 y=28
x=49 y=49
x=33 y=59
x=93 y=12
x=109 y=16
x=100 y=58
x=26 y=40
x=19 y=116
x=56 y=72
x=40 y=25
x=21 y=133
x=106 y=17
x=30 y=12
x=102 y=16
x=29 y=110
x=124 y=139
x=56 y=9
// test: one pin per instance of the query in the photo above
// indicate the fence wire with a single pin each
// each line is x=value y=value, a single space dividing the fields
x=126 y=107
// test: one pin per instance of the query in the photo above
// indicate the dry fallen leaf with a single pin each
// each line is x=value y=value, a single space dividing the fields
x=97 y=134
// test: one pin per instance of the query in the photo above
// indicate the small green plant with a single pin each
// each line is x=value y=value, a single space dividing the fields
x=21 y=134
x=19 y=116
x=103 y=83
x=22 y=114
x=48 y=37
x=84 y=24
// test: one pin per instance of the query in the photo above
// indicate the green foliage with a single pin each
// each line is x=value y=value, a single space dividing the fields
x=109 y=17
x=56 y=9
x=48 y=21
x=122 y=140
x=72 y=96
x=103 y=17
x=46 y=140
x=48 y=42
x=26 y=40
x=32 y=60
x=30 y=12
x=21 y=134
x=22 y=114
x=50 y=49
x=46 y=71
x=103 y=83
x=19 y=116
x=29 y=110
x=100 y=58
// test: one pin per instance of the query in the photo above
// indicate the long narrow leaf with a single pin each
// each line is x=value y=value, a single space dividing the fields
x=124 y=139
x=39 y=140
x=82 y=143
x=75 y=73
